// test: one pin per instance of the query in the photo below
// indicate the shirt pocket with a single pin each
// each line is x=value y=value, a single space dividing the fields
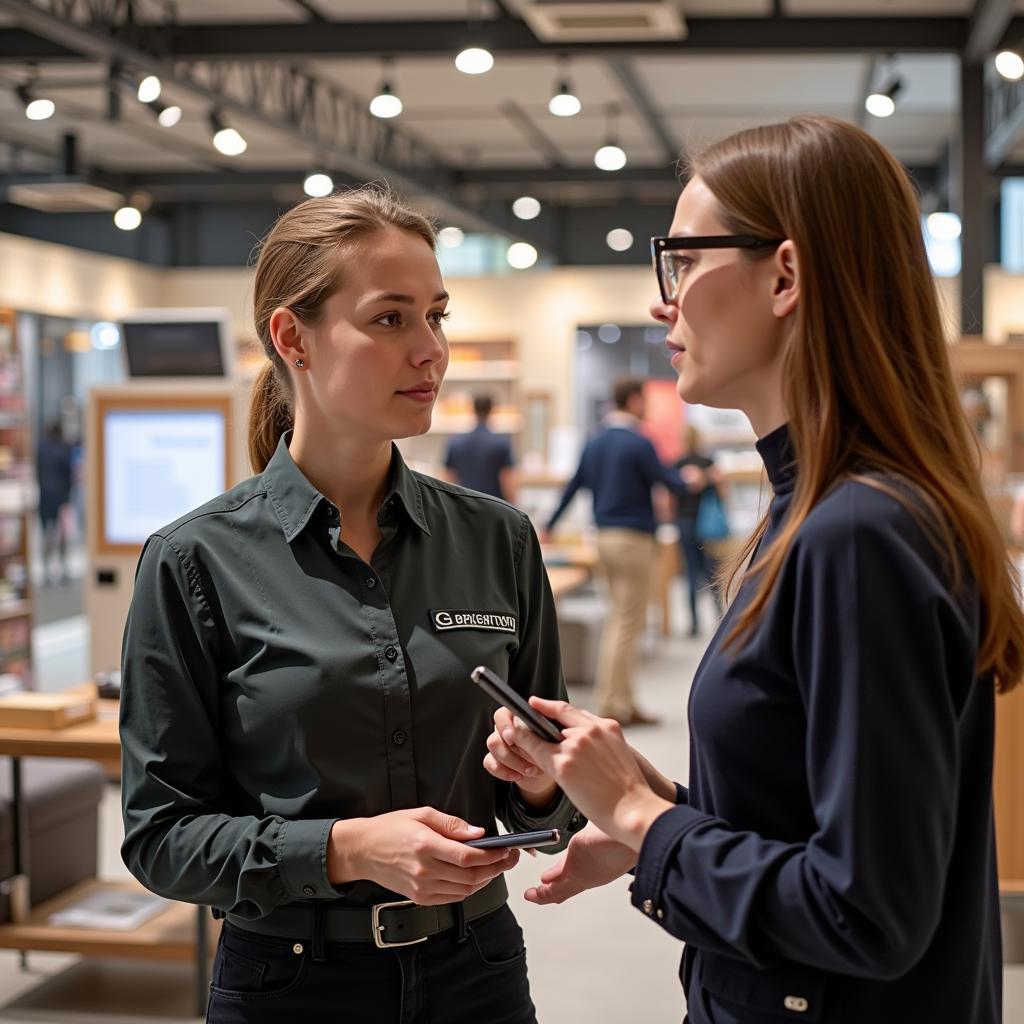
x=776 y=994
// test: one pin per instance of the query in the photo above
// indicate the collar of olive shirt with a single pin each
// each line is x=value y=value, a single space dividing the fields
x=295 y=499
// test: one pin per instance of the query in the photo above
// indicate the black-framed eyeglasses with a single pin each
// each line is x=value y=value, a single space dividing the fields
x=668 y=254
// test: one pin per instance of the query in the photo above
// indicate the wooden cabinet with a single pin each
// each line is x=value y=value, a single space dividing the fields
x=16 y=472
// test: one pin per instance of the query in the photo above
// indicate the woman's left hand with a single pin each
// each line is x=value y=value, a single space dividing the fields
x=595 y=767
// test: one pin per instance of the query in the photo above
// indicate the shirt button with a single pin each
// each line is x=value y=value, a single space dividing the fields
x=399 y=737
x=796 y=1003
x=647 y=907
x=308 y=890
x=297 y=949
x=371 y=582
x=391 y=653
x=659 y=914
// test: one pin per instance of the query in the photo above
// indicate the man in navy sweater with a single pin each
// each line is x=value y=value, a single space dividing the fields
x=482 y=460
x=619 y=466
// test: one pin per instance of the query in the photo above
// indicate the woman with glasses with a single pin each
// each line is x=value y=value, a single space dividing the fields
x=833 y=858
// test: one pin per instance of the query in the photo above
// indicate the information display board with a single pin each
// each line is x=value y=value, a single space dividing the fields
x=158 y=458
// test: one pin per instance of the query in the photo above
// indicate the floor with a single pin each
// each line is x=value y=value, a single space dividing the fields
x=594 y=960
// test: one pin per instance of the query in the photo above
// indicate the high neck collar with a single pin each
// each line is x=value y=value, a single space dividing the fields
x=776 y=449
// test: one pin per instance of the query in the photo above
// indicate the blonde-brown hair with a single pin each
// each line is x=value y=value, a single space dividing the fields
x=868 y=384
x=300 y=265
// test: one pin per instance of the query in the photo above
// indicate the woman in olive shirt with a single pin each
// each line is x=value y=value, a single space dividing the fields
x=302 y=745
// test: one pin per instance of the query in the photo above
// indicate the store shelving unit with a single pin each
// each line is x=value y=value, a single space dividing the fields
x=15 y=475
x=485 y=365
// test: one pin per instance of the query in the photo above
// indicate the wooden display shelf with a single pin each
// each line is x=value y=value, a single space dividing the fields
x=15 y=611
x=564 y=579
x=744 y=476
x=482 y=370
x=170 y=935
x=456 y=424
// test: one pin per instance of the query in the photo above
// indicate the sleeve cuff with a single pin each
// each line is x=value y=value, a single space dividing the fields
x=560 y=814
x=302 y=859
x=682 y=794
x=659 y=846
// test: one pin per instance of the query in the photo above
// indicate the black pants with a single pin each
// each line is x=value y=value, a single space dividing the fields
x=700 y=567
x=479 y=976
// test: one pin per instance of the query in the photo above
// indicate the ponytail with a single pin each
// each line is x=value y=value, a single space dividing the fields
x=270 y=415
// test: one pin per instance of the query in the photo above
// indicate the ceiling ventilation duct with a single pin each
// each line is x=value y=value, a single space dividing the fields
x=66 y=192
x=64 y=197
x=605 y=21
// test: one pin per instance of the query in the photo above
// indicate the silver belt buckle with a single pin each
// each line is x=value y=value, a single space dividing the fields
x=378 y=928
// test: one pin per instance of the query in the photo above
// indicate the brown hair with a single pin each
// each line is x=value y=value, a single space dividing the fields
x=868 y=384
x=299 y=266
x=624 y=389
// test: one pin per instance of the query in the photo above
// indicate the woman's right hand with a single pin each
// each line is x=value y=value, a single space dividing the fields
x=420 y=853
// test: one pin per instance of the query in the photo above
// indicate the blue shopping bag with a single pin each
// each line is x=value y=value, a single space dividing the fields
x=712 y=523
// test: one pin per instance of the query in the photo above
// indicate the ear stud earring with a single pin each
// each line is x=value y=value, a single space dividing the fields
x=300 y=363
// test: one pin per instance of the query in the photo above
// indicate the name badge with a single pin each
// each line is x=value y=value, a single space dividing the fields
x=451 y=618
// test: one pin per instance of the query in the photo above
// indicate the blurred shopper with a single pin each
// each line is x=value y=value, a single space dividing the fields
x=701 y=520
x=619 y=466
x=53 y=468
x=298 y=726
x=833 y=859
x=482 y=460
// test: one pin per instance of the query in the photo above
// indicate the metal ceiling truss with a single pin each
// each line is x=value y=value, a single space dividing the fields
x=317 y=115
x=1004 y=118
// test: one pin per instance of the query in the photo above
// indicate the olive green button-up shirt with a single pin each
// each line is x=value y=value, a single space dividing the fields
x=273 y=682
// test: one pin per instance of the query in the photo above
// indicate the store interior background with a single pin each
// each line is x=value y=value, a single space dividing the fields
x=562 y=328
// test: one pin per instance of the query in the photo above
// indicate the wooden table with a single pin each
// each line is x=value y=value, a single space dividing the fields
x=180 y=933
x=566 y=578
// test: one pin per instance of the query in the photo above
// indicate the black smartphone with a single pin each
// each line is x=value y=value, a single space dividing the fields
x=518 y=840
x=501 y=692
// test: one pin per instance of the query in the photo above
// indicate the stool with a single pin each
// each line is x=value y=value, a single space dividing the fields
x=62 y=797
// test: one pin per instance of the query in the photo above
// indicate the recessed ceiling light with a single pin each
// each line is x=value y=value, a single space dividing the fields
x=526 y=208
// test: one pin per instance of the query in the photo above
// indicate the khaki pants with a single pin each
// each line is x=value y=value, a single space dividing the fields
x=627 y=557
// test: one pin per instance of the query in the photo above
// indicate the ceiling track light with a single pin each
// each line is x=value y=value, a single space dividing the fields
x=386 y=104
x=317 y=184
x=611 y=156
x=882 y=102
x=564 y=102
x=226 y=140
x=148 y=89
x=474 y=58
x=1010 y=65
x=37 y=108
x=167 y=114
x=128 y=218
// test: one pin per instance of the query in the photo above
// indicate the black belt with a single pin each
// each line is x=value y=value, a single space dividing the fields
x=398 y=923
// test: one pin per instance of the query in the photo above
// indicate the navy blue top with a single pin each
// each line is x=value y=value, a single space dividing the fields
x=619 y=466
x=834 y=859
x=477 y=459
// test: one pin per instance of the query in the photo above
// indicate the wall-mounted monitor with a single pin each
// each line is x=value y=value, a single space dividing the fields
x=177 y=343
x=157 y=459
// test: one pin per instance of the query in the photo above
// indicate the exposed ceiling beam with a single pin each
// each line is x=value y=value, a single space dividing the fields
x=537 y=138
x=634 y=88
x=307 y=7
x=989 y=22
x=312 y=115
x=629 y=175
x=507 y=36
